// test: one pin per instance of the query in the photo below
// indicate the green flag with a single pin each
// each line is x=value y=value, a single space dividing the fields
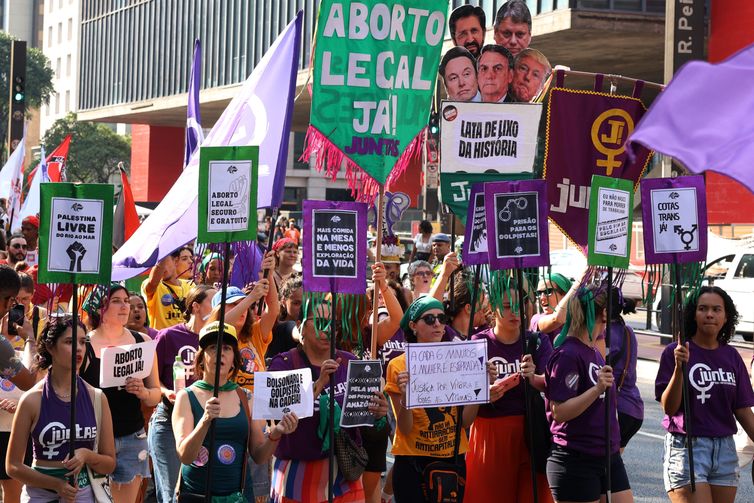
x=374 y=75
x=228 y=194
x=610 y=216
x=75 y=233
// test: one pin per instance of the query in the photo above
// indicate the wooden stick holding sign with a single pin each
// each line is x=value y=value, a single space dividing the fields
x=517 y=238
x=334 y=262
x=674 y=213
x=75 y=240
x=474 y=250
x=228 y=178
x=377 y=258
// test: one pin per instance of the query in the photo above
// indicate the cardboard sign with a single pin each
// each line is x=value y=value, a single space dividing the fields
x=475 y=238
x=335 y=248
x=447 y=373
x=674 y=212
x=364 y=378
x=75 y=235
x=517 y=218
x=610 y=217
x=120 y=362
x=277 y=393
x=228 y=194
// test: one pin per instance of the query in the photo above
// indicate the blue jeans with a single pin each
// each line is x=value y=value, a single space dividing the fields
x=165 y=463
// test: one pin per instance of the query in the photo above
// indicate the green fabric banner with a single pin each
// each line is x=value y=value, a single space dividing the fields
x=75 y=233
x=611 y=207
x=375 y=68
x=228 y=194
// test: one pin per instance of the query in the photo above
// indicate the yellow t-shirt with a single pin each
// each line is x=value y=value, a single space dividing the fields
x=252 y=354
x=434 y=429
x=165 y=307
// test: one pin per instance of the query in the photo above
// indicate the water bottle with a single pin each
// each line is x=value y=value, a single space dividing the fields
x=179 y=374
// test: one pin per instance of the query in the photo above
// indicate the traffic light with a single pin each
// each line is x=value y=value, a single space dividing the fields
x=17 y=93
x=434 y=124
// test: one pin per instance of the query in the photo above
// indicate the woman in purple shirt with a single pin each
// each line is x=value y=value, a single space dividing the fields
x=575 y=382
x=719 y=394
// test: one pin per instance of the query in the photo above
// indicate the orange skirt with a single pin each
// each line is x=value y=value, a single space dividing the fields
x=497 y=462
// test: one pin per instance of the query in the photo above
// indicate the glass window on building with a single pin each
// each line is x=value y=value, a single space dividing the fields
x=67 y=101
x=60 y=33
x=58 y=68
x=57 y=103
x=338 y=195
x=299 y=143
x=49 y=36
x=68 y=66
x=70 y=29
x=292 y=197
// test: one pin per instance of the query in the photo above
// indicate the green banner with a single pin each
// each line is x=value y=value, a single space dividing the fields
x=374 y=74
x=456 y=187
x=611 y=206
x=228 y=194
x=75 y=233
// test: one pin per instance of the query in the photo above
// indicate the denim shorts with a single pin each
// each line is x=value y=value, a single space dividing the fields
x=131 y=458
x=715 y=461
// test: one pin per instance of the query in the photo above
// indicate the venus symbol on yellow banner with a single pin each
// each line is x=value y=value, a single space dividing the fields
x=619 y=126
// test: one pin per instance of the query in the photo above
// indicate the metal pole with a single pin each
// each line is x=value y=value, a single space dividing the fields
x=218 y=358
x=474 y=299
x=74 y=374
x=609 y=308
x=260 y=306
x=331 y=419
x=686 y=405
x=377 y=257
x=529 y=418
x=452 y=294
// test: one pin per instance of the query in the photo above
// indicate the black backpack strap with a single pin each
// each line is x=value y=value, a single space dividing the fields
x=459 y=425
x=35 y=321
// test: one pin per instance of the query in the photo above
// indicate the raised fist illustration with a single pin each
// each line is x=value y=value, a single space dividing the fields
x=76 y=252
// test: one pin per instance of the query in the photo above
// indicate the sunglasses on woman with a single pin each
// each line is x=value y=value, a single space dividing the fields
x=430 y=319
x=547 y=291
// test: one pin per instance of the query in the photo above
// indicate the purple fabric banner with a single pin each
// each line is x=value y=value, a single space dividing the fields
x=674 y=212
x=586 y=135
x=475 y=239
x=335 y=247
x=194 y=133
x=517 y=222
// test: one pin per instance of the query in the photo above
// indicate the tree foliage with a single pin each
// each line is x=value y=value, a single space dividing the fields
x=95 y=149
x=38 y=82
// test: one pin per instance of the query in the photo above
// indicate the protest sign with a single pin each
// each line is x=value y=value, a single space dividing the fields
x=363 y=379
x=517 y=218
x=75 y=235
x=335 y=247
x=281 y=392
x=447 y=373
x=120 y=362
x=586 y=135
x=610 y=217
x=674 y=212
x=374 y=76
x=228 y=179
x=484 y=142
x=475 y=239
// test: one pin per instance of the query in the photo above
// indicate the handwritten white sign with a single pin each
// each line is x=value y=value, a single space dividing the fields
x=120 y=362
x=447 y=373
x=277 y=393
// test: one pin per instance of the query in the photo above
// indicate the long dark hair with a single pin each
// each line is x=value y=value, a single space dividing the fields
x=731 y=313
x=95 y=316
x=197 y=294
x=53 y=330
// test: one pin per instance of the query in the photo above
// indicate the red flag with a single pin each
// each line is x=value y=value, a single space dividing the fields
x=55 y=163
x=126 y=220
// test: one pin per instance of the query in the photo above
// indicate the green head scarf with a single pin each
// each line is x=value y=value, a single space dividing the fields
x=418 y=308
x=557 y=279
x=586 y=298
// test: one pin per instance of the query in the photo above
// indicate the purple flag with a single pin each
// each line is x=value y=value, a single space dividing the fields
x=259 y=114
x=703 y=118
x=517 y=224
x=194 y=133
x=475 y=239
x=335 y=247
x=674 y=213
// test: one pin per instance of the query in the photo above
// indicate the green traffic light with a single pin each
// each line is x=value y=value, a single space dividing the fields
x=19 y=97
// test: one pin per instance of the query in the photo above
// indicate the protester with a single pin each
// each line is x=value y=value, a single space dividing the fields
x=426 y=435
x=181 y=341
x=725 y=396
x=459 y=311
x=498 y=454
x=30 y=230
x=17 y=249
x=196 y=408
x=165 y=293
x=9 y=397
x=108 y=312
x=467 y=28
x=495 y=73
x=185 y=266
x=138 y=320
x=293 y=233
x=422 y=249
x=286 y=256
x=34 y=317
x=530 y=72
x=42 y=416
x=440 y=248
x=447 y=267
x=512 y=27
x=211 y=269
x=575 y=382
x=300 y=468
x=392 y=254
x=420 y=274
x=553 y=292
x=291 y=299
x=11 y=367
x=623 y=360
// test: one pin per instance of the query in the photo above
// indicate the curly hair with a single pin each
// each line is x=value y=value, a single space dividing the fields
x=731 y=313
x=53 y=330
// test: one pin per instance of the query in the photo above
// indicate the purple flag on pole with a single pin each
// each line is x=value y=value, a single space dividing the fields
x=194 y=133
x=703 y=118
x=259 y=114
x=335 y=247
x=475 y=239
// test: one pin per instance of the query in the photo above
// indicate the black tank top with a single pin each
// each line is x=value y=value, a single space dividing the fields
x=125 y=407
